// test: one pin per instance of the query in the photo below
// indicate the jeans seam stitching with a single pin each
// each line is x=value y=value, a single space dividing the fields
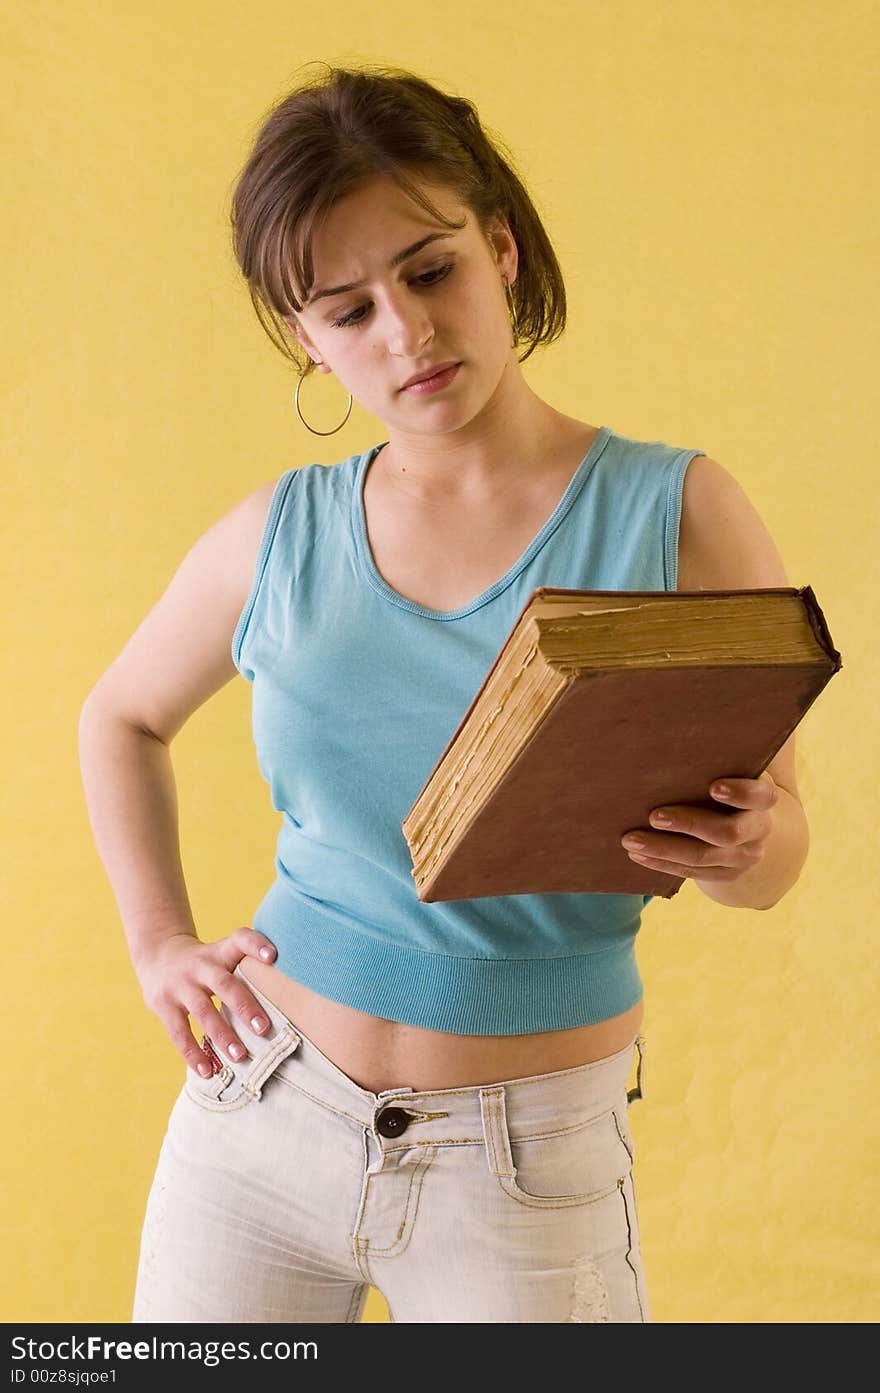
x=523 y=1197
x=400 y=1244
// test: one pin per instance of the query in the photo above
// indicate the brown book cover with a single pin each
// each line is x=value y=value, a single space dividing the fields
x=600 y=706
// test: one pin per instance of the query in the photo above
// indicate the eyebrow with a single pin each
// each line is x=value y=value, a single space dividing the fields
x=396 y=260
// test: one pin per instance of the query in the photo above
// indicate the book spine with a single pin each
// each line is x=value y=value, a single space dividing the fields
x=820 y=627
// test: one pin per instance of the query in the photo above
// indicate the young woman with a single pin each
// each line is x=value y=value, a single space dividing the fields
x=430 y=1098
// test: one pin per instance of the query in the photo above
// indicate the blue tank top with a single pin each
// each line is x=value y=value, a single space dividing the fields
x=356 y=692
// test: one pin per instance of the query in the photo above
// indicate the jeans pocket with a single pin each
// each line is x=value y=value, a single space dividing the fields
x=237 y=1085
x=574 y=1165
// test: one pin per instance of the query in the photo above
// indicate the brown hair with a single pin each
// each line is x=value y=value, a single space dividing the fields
x=331 y=135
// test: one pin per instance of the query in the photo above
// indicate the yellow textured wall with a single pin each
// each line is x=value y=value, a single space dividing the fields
x=707 y=172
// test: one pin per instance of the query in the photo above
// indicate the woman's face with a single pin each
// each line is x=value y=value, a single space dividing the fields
x=445 y=302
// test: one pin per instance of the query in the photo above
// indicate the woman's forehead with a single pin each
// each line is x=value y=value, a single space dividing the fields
x=381 y=204
x=363 y=223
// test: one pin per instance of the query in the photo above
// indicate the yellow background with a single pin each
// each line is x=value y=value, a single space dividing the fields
x=708 y=175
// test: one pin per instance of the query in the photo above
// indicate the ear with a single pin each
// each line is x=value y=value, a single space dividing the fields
x=504 y=248
x=300 y=334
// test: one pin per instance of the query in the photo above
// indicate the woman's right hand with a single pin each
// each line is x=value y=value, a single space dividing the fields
x=179 y=976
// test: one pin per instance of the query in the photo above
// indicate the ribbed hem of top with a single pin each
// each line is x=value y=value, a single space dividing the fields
x=461 y=995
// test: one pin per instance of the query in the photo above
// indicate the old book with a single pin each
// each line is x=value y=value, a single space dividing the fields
x=600 y=706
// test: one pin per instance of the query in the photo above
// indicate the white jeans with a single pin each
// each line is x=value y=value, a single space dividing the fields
x=284 y=1190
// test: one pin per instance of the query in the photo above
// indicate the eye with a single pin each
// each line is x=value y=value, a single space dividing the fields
x=427 y=278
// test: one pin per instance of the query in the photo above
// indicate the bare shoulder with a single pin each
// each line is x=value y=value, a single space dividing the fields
x=180 y=653
x=253 y=512
x=723 y=544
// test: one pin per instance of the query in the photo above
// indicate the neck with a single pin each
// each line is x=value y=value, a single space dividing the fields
x=480 y=459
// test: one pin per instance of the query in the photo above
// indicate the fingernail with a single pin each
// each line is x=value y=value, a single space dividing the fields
x=722 y=790
x=204 y=1070
x=258 y=1023
x=265 y=952
x=236 y=1051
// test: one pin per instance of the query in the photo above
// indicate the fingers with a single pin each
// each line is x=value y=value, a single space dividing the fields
x=245 y=942
x=679 y=868
x=241 y=943
x=760 y=793
x=720 y=845
x=243 y=1004
x=183 y=1040
x=182 y=985
x=695 y=854
x=214 y=1024
x=727 y=830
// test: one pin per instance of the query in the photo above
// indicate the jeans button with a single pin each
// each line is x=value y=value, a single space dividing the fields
x=392 y=1121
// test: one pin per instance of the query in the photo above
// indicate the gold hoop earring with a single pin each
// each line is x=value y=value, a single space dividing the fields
x=305 y=422
x=512 y=314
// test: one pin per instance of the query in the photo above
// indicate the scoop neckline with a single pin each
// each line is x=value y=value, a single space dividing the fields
x=372 y=574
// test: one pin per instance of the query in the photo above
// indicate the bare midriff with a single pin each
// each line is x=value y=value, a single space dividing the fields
x=379 y=1054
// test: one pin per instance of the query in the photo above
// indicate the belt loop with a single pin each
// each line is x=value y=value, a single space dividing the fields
x=496 y=1136
x=633 y=1093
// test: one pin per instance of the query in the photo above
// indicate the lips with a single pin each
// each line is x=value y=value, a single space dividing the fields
x=429 y=372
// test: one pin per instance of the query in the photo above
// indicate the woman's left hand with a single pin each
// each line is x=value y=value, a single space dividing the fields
x=707 y=845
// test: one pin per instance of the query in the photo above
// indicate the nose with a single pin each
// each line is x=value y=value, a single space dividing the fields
x=409 y=326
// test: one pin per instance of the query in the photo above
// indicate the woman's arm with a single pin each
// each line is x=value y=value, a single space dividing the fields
x=176 y=659
x=725 y=545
